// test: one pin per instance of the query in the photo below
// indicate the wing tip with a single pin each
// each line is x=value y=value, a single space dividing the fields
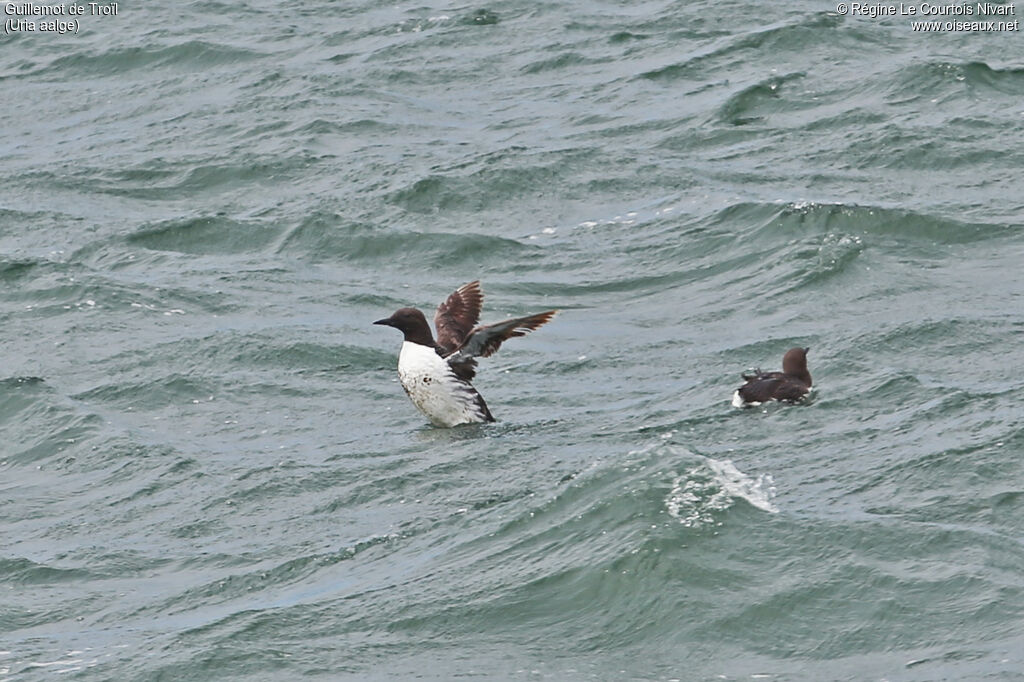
x=546 y=316
x=534 y=322
x=473 y=288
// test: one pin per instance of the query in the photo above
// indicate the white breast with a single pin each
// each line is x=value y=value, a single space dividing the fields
x=738 y=401
x=445 y=399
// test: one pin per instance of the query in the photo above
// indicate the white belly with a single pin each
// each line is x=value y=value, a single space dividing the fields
x=434 y=389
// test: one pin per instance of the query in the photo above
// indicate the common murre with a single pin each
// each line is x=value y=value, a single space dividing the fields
x=436 y=374
x=790 y=385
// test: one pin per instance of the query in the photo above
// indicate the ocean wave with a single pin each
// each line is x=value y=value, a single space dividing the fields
x=937 y=78
x=754 y=102
x=190 y=54
x=206 y=235
x=322 y=236
x=699 y=496
x=778 y=37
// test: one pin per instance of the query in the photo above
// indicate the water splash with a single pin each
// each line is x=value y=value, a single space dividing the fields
x=713 y=486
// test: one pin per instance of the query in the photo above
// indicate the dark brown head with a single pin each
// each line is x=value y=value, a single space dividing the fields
x=794 y=363
x=412 y=324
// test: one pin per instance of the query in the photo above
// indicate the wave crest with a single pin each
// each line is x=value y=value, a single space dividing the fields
x=713 y=486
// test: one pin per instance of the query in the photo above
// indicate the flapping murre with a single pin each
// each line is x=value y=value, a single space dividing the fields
x=790 y=385
x=436 y=374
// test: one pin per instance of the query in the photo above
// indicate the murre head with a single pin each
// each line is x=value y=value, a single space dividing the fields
x=412 y=324
x=794 y=363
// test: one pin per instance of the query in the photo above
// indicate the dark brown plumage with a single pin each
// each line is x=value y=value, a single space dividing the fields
x=790 y=385
x=457 y=315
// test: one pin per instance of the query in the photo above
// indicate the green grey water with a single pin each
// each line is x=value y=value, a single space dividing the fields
x=209 y=471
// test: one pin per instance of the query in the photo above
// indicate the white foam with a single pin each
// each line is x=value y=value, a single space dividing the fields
x=713 y=486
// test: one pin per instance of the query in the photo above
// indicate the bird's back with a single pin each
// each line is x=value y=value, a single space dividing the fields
x=765 y=386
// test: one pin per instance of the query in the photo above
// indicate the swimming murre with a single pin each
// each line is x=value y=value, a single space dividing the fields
x=436 y=374
x=790 y=385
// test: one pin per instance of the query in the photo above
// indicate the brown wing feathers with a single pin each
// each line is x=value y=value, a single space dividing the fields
x=460 y=339
x=457 y=316
x=485 y=340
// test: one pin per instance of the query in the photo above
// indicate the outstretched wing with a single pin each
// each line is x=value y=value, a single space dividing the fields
x=458 y=315
x=486 y=340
